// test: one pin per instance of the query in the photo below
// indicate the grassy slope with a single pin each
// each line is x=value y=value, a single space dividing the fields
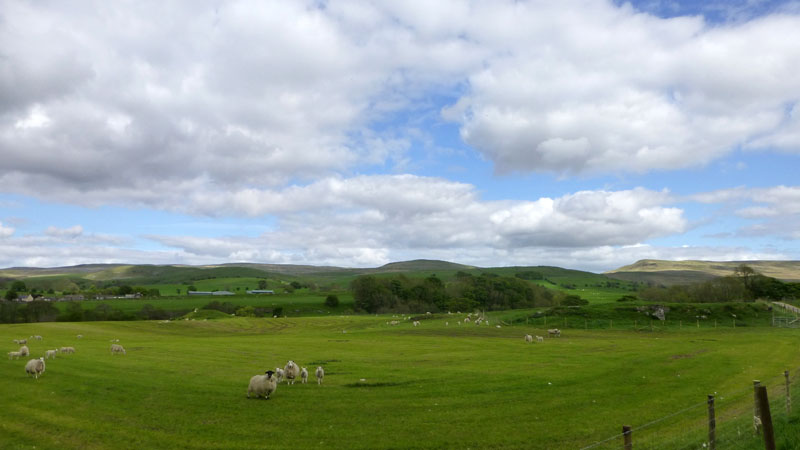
x=676 y=272
x=182 y=384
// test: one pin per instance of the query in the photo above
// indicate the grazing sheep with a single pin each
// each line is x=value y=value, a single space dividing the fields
x=466 y=319
x=320 y=374
x=37 y=337
x=116 y=348
x=554 y=332
x=291 y=371
x=304 y=375
x=279 y=374
x=67 y=350
x=14 y=355
x=24 y=351
x=22 y=341
x=262 y=385
x=16 y=341
x=35 y=367
x=80 y=336
x=50 y=353
x=539 y=339
x=528 y=338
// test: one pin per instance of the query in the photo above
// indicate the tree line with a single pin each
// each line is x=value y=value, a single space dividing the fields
x=745 y=284
x=467 y=292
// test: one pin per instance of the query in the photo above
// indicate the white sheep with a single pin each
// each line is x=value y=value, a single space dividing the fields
x=80 y=336
x=24 y=351
x=67 y=350
x=15 y=355
x=528 y=338
x=466 y=319
x=304 y=375
x=50 y=354
x=279 y=374
x=116 y=348
x=37 y=337
x=291 y=371
x=22 y=341
x=320 y=374
x=35 y=367
x=262 y=385
x=554 y=332
x=539 y=339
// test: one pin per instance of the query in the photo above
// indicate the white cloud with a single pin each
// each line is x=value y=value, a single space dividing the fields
x=65 y=233
x=5 y=231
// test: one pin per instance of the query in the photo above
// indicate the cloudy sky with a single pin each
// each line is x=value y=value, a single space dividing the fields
x=581 y=133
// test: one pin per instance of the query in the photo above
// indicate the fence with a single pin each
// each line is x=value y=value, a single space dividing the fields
x=754 y=417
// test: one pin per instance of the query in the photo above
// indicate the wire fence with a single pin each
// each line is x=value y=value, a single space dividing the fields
x=734 y=425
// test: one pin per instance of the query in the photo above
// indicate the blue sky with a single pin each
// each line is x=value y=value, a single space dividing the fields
x=583 y=134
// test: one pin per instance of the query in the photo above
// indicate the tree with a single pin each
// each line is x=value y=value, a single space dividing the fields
x=11 y=295
x=332 y=301
x=262 y=284
x=18 y=286
x=74 y=312
x=746 y=274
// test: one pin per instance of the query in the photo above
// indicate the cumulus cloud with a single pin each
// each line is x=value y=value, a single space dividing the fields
x=776 y=208
x=5 y=231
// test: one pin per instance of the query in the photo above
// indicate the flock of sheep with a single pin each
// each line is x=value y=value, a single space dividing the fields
x=265 y=385
x=36 y=367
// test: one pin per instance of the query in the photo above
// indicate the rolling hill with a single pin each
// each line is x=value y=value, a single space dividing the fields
x=685 y=272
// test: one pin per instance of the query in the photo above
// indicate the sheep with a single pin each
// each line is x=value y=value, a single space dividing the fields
x=320 y=374
x=466 y=319
x=37 y=337
x=262 y=385
x=304 y=375
x=67 y=350
x=80 y=336
x=528 y=338
x=14 y=355
x=291 y=371
x=116 y=348
x=539 y=339
x=35 y=367
x=16 y=341
x=24 y=351
x=50 y=353
x=554 y=332
x=22 y=341
x=279 y=374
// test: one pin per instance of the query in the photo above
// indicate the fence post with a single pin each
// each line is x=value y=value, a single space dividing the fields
x=626 y=436
x=712 y=424
x=788 y=394
x=756 y=413
x=766 y=418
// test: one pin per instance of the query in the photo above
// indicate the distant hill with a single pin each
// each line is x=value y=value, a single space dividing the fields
x=685 y=272
x=421 y=265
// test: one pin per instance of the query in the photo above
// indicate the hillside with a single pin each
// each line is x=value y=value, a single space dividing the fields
x=685 y=272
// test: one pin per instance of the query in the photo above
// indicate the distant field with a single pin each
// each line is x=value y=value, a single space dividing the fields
x=182 y=384
x=682 y=272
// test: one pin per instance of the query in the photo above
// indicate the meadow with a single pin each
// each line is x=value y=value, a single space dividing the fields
x=182 y=384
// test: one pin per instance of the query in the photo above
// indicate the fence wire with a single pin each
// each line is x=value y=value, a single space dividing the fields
x=688 y=428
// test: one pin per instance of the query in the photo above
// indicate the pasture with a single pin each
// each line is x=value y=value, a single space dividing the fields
x=182 y=384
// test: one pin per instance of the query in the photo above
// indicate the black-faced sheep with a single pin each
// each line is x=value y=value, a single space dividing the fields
x=262 y=385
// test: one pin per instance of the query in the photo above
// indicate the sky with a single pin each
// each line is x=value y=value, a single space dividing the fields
x=584 y=134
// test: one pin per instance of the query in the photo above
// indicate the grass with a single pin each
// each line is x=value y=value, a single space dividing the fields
x=182 y=384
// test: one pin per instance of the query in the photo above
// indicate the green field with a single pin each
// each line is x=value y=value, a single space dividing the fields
x=182 y=384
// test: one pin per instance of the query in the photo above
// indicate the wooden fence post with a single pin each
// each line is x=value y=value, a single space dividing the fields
x=756 y=413
x=766 y=418
x=712 y=424
x=788 y=394
x=626 y=437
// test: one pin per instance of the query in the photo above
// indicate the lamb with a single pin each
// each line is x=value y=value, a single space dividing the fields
x=14 y=355
x=279 y=374
x=320 y=374
x=554 y=332
x=50 y=353
x=528 y=338
x=35 y=367
x=262 y=385
x=116 y=348
x=304 y=375
x=539 y=339
x=24 y=351
x=291 y=371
